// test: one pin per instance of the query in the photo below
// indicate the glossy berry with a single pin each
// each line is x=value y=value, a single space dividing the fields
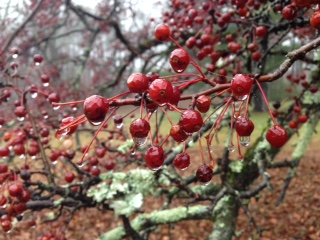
x=3 y=200
x=175 y=98
x=110 y=165
x=37 y=58
x=179 y=60
x=261 y=31
x=162 y=32
x=191 y=121
x=289 y=12
x=182 y=161
x=304 y=3
x=95 y=109
x=4 y=151
x=302 y=118
x=244 y=127
x=138 y=83
x=54 y=98
x=160 y=91
x=6 y=225
x=204 y=174
x=203 y=103
x=154 y=158
x=241 y=85
x=234 y=47
x=139 y=128
x=19 y=149
x=15 y=189
x=293 y=124
x=256 y=56
x=3 y=168
x=45 y=78
x=177 y=133
x=277 y=136
x=20 y=111
x=69 y=177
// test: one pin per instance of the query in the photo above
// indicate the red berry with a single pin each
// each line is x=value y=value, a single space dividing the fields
x=179 y=60
x=177 y=133
x=154 y=158
x=4 y=151
x=152 y=76
x=204 y=174
x=175 y=98
x=44 y=132
x=162 y=32
x=289 y=12
x=66 y=121
x=6 y=225
x=20 y=112
x=110 y=165
x=54 y=98
x=302 y=118
x=95 y=171
x=37 y=58
x=19 y=149
x=45 y=78
x=277 y=136
x=203 y=103
x=69 y=177
x=182 y=161
x=3 y=200
x=100 y=152
x=160 y=91
x=293 y=124
x=15 y=189
x=95 y=108
x=33 y=150
x=139 y=128
x=256 y=56
x=191 y=121
x=261 y=31
x=138 y=83
x=241 y=85
x=234 y=47
x=3 y=168
x=244 y=127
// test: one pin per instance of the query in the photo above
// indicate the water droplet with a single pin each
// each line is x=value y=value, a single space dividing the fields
x=33 y=157
x=242 y=17
x=10 y=148
x=245 y=140
x=74 y=109
x=119 y=125
x=45 y=84
x=133 y=151
x=15 y=55
x=0 y=126
x=231 y=148
x=20 y=119
x=54 y=162
x=315 y=7
x=45 y=116
x=58 y=135
x=155 y=169
x=22 y=156
x=236 y=114
x=207 y=149
x=65 y=131
x=37 y=63
x=5 y=158
x=55 y=107
x=34 y=95
x=95 y=123
x=140 y=141
x=205 y=183
x=242 y=98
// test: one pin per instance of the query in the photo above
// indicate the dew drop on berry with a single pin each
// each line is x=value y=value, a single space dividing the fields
x=231 y=148
x=34 y=95
x=140 y=141
x=20 y=119
x=45 y=84
x=95 y=123
x=245 y=141
x=56 y=107
x=119 y=125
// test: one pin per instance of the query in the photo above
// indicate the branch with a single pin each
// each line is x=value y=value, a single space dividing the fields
x=145 y=221
x=16 y=32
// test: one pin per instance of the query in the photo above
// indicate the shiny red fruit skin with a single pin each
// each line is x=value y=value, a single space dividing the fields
x=182 y=161
x=154 y=158
x=204 y=174
x=95 y=108
x=4 y=151
x=261 y=31
x=175 y=98
x=54 y=98
x=138 y=83
x=289 y=12
x=302 y=118
x=203 y=103
x=177 y=133
x=241 y=85
x=315 y=20
x=244 y=127
x=15 y=189
x=277 y=136
x=162 y=32
x=37 y=58
x=139 y=128
x=69 y=177
x=179 y=60
x=160 y=91
x=191 y=121
x=304 y=3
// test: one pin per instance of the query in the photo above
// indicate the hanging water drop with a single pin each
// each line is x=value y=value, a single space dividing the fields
x=119 y=125
x=34 y=95
x=95 y=123
x=45 y=84
x=22 y=156
x=15 y=55
x=156 y=168
x=205 y=183
x=45 y=116
x=37 y=63
x=56 y=107
x=20 y=119
x=140 y=141
x=231 y=148
x=245 y=140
